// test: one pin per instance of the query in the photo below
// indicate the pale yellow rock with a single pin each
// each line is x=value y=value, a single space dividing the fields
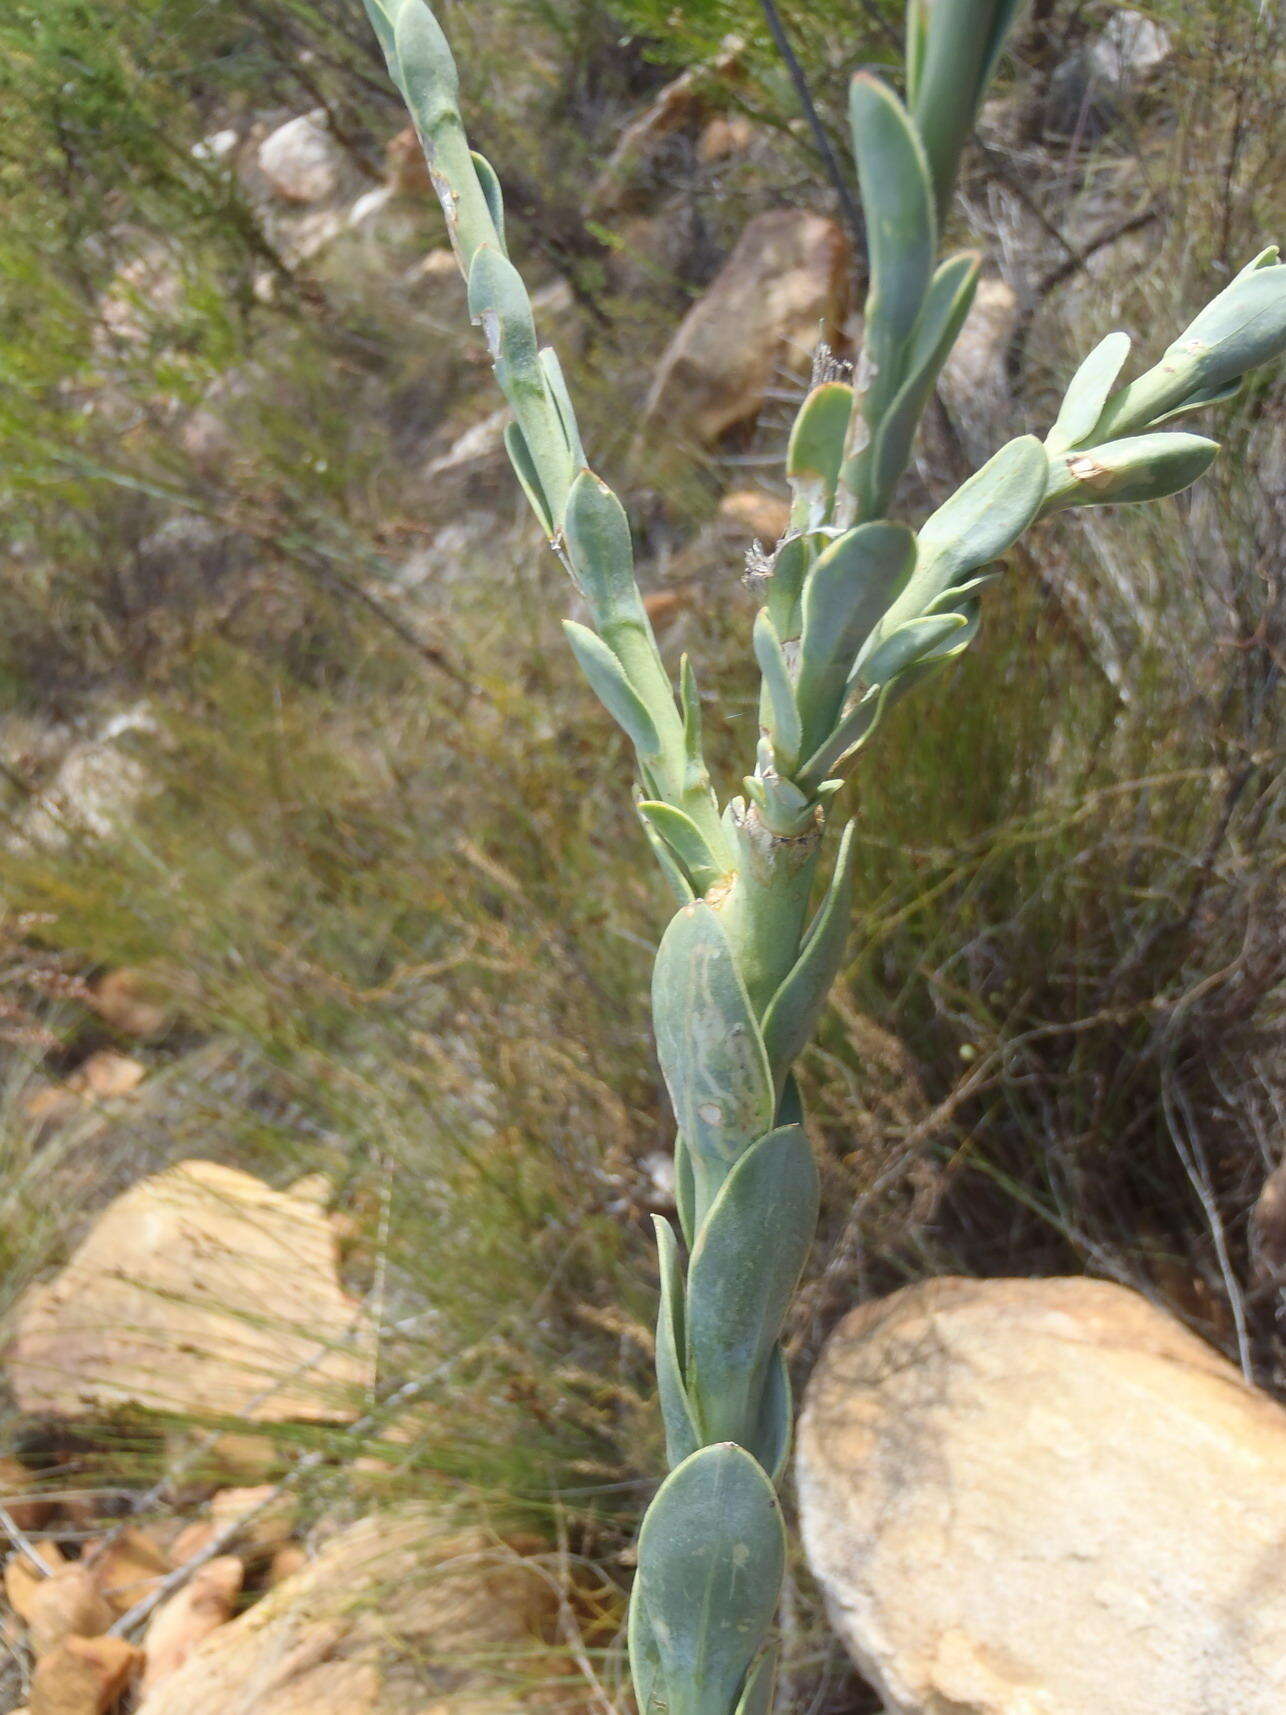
x=21 y=1497
x=265 y=1520
x=127 y=1000
x=201 y=1290
x=765 y=516
x=289 y=1559
x=22 y=1579
x=393 y=1617
x=106 y=1076
x=188 y=1617
x=65 y=1605
x=127 y=1567
x=783 y=289
x=83 y=1676
x=1045 y=1497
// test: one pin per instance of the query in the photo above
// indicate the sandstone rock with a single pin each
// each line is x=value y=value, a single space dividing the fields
x=106 y=1076
x=98 y=782
x=20 y=1497
x=201 y=1290
x=1268 y=1228
x=67 y=1604
x=393 y=1617
x=22 y=1580
x=203 y=1604
x=679 y=106
x=782 y=290
x=128 y=1001
x=268 y=1517
x=285 y=1563
x=727 y=135
x=408 y=171
x=1045 y=1497
x=1129 y=50
x=761 y=517
x=301 y=160
x=127 y=1567
x=83 y=1676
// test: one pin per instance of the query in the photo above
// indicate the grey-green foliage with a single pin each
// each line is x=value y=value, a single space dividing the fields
x=857 y=609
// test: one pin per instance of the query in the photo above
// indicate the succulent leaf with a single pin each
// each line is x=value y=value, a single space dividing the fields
x=681 y=1434
x=708 y=1043
x=686 y=842
x=779 y=693
x=942 y=315
x=1087 y=393
x=427 y=77
x=746 y=1263
x=983 y=518
x=711 y=1554
x=846 y=595
x=793 y=1012
x=816 y=450
x=612 y=688
x=1145 y=467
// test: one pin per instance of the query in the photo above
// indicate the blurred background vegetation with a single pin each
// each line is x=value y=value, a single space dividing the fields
x=369 y=839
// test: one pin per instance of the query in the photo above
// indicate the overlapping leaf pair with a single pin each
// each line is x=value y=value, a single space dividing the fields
x=857 y=609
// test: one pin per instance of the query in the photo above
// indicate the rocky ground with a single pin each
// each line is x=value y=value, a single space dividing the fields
x=1017 y=1497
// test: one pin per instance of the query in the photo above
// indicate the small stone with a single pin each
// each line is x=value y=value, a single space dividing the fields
x=1130 y=49
x=126 y=1000
x=783 y=289
x=762 y=517
x=286 y=1562
x=726 y=136
x=408 y=171
x=22 y=1580
x=67 y=1604
x=20 y=1497
x=300 y=159
x=106 y=1076
x=188 y=1617
x=269 y=1520
x=83 y=1676
x=127 y=1567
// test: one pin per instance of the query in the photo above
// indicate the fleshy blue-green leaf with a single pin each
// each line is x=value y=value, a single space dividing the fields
x=983 y=518
x=495 y=196
x=745 y=1265
x=942 y=315
x=427 y=77
x=597 y=534
x=910 y=643
x=711 y=1053
x=757 y=1698
x=499 y=303
x=1145 y=467
x=816 y=449
x=847 y=594
x=711 y=1554
x=793 y=1012
x=528 y=477
x=681 y=1435
x=1087 y=393
x=612 y=688
x=782 y=716
x=686 y=841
